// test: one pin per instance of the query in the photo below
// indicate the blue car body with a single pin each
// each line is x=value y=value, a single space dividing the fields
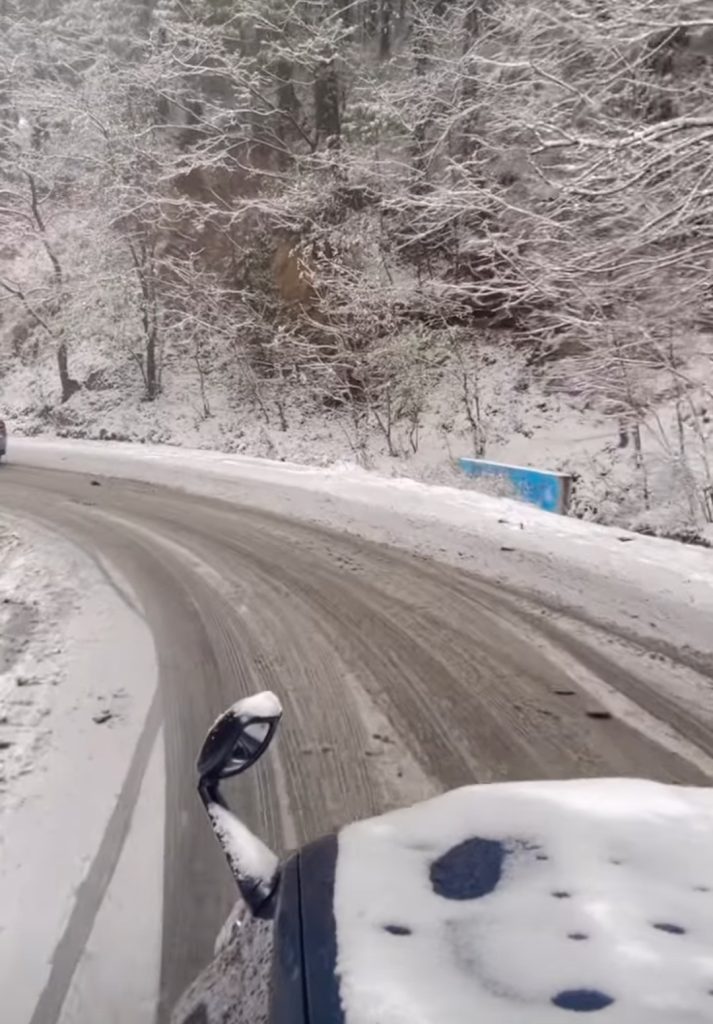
x=304 y=985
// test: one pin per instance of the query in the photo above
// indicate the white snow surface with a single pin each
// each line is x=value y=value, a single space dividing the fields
x=73 y=652
x=34 y=599
x=622 y=856
x=262 y=705
x=118 y=976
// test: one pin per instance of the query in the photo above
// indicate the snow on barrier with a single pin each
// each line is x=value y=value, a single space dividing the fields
x=549 y=491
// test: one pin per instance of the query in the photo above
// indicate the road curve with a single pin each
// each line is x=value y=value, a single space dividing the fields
x=399 y=676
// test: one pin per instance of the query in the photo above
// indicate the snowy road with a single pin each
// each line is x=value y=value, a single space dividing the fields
x=400 y=676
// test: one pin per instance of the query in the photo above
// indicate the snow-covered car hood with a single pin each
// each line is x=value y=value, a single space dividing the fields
x=518 y=903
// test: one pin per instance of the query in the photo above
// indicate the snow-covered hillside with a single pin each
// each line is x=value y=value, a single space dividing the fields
x=471 y=230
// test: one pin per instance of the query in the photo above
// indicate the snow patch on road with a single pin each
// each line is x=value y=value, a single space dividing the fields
x=71 y=733
x=36 y=597
x=401 y=778
x=516 y=902
x=117 y=979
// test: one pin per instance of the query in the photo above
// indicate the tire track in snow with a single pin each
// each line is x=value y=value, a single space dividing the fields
x=92 y=890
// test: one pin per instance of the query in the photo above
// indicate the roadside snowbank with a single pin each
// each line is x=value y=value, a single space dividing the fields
x=657 y=590
x=34 y=598
x=529 y=416
x=78 y=679
x=511 y=903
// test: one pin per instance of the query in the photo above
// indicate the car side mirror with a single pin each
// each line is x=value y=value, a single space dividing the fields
x=236 y=740
x=239 y=737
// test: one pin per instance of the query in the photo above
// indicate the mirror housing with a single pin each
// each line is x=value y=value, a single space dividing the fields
x=237 y=739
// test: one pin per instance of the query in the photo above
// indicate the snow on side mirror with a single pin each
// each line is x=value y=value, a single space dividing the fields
x=237 y=739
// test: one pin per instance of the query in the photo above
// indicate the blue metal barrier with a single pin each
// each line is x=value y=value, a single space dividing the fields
x=549 y=491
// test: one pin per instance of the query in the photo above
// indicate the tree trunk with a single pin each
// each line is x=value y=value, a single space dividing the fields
x=419 y=153
x=385 y=30
x=469 y=84
x=326 y=102
x=346 y=12
x=69 y=384
x=142 y=259
x=371 y=19
x=421 y=44
x=289 y=108
x=151 y=368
